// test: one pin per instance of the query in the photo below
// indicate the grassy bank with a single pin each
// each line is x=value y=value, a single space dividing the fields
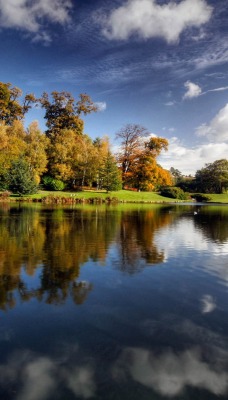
x=120 y=196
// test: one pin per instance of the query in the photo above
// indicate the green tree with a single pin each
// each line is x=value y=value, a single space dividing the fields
x=176 y=174
x=20 y=178
x=110 y=174
x=213 y=178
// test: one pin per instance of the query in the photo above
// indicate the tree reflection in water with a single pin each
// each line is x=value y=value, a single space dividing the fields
x=56 y=243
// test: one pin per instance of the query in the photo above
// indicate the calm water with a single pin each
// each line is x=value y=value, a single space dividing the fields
x=114 y=303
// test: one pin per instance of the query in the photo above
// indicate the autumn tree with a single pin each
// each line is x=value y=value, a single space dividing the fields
x=150 y=176
x=35 y=151
x=132 y=138
x=61 y=155
x=12 y=143
x=102 y=148
x=71 y=158
x=10 y=107
x=85 y=165
x=156 y=145
x=61 y=112
x=138 y=158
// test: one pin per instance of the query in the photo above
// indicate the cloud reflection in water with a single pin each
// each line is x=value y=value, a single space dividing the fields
x=39 y=377
x=169 y=373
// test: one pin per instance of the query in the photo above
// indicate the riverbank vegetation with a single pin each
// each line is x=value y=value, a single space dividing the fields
x=65 y=159
x=100 y=197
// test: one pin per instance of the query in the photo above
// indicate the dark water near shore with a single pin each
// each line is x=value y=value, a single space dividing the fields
x=112 y=303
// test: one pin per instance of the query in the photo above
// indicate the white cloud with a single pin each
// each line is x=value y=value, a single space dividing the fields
x=189 y=159
x=148 y=19
x=217 y=129
x=28 y=15
x=101 y=105
x=193 y=90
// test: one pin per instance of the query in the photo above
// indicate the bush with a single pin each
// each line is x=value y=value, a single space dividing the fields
x=3 y=181
x=201 y=197
x=174 y=193
x=52 y=183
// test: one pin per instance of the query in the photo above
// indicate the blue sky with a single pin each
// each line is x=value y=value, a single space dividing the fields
x=160 y=64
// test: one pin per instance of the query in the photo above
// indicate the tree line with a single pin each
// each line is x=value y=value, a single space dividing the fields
x=212 y=178
x=65 y=157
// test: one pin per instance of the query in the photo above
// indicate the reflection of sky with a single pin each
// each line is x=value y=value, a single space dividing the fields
x=39 y=377
x=169 y=373
x=162 y=329
x=181 y=239
x=183 y=234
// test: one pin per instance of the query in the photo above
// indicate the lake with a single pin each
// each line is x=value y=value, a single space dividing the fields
x=114 y=302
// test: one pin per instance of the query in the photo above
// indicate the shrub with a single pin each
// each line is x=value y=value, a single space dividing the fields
x=201 y=197
x=174 y=193
x=3 y=181
x=52 y=183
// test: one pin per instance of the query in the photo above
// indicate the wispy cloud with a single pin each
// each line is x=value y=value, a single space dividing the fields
x=28 y=16
x=215 y=53
x=220 y=89
x=147 y=19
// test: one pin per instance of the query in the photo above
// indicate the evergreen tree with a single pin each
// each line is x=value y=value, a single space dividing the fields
x=20 y=178
x=110 y=174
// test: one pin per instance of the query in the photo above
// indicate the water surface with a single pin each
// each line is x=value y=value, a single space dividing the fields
x=113 y=303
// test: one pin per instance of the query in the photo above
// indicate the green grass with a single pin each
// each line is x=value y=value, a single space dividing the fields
x=127 y=196
x=219 y=198
x=122 y=196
